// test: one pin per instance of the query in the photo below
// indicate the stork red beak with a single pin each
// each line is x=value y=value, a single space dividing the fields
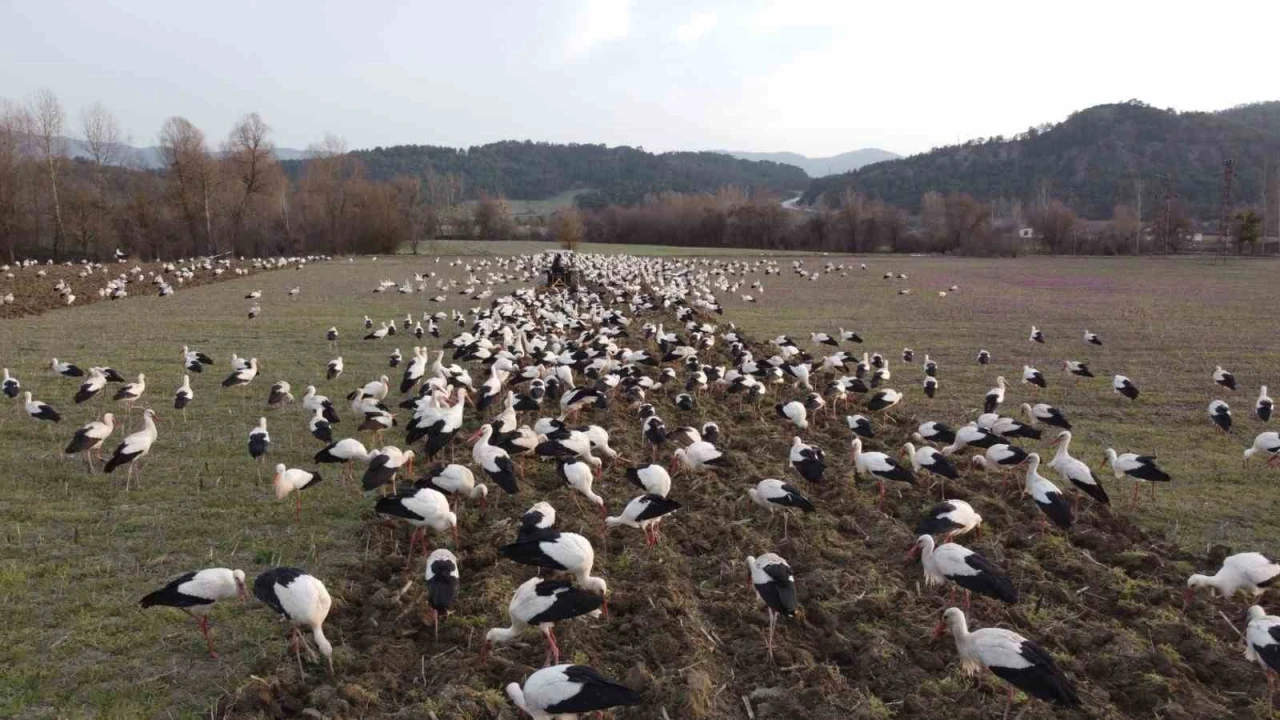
x=484 y=652
x=912 y=553
x=939 y=630
x=473 y=436
x=1187 y=597
x=604 y=608
x=455 y=534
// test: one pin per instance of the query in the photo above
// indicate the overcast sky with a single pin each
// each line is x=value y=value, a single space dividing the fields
x=812 y=76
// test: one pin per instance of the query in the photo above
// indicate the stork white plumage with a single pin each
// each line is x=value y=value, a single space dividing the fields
x=883 y=400
x=541 y=603
x=456 y=480
x=652 y=478
x=1251 y=572
x=303 y=601
x=243 y=376
x=259 y=442
x=775 y=585
x=195 y=594
x=1267 y=443
x=555 y=550
x=442 y=581
x=183 y=396
x=1092 y=338
x=578 y=474
x=1033 y=377
x=773 y=494
x=1264 y=405
x=1138 y=467
x=90 y=437
x=293 y=480
x=281 y=392
x=424 y=508
x=1011 y=657
x=930 y=459
x=1076 y=471
x=1122 y=385
x=1223 y=378
x=995 y=396
x=40 y=410
x=1220 y=415
x=1262 y=645
x=343 y=452
x=131 y=392
x=700 y=456
x=566 y=691
x=134 y=448
x=1046 y=495
x=963 y=567
x=10 y=385
x=385 y=464
x=1036 y=335
x=92 y=385
x=645 y=512
x=949 y=518
x=880 y=466
x=494 y=461
x=66 y=369
x=1046 y=414
x=334 y=369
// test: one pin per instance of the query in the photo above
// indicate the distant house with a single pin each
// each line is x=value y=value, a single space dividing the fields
x=1026 y=233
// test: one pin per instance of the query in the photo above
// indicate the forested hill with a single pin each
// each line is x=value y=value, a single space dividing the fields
x=1090 y=161
x=536 y=170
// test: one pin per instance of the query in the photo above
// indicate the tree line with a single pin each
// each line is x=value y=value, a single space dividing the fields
x=211 y=197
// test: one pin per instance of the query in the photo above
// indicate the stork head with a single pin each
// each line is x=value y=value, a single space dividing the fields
x=238 y=576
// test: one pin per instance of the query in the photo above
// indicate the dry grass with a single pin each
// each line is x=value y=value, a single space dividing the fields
x=79 y=551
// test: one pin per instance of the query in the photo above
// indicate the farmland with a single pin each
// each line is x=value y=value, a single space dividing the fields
x=79 y=551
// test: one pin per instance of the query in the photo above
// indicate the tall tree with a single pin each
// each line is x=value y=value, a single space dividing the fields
x=14 y=129
x=250 y=157
x=191 y=176
x=47 y=121
x=102 y=141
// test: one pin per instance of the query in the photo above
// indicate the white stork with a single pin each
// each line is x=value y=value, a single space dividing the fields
x=1252 y=572
x=134 y=447
x=302 y=600
x=293 y=480
x=541 y=603
x=949 y=518
x=90 y=437
x=1023 y=664
x=195 y=594
x=645 y=512
x=1220 y=414
x=775 y=584
x=566 y=691
x=964 y=567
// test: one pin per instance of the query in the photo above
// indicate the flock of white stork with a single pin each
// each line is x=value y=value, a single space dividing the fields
x=564 y=352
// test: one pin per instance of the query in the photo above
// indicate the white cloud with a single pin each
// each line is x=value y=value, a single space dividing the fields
x=698 y=25
x=599 y=22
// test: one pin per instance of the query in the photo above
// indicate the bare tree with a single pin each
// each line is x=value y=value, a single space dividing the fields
x=47 y=120
x=14 y=132
x=567 y=228
x=328 y=180
x=192 y=174
x=101 y=135
x=250 y=156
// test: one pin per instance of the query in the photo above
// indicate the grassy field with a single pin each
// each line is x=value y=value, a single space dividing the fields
x=79 y=551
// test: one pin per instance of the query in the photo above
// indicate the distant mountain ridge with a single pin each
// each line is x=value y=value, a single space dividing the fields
x=1092 y=161
x=149 y=157
x=820 y=166
x=621 y=175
